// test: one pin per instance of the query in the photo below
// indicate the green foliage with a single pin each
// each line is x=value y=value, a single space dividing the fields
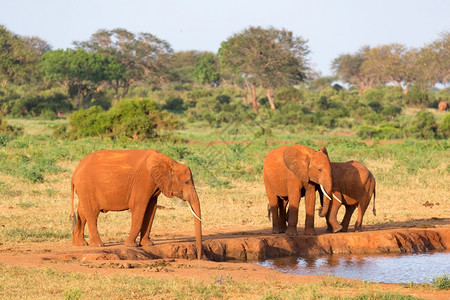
x=424 y=125
x=441 y=282
x=174 y=104
x=444 y=128
x=130 y=118
x=419 y=98
x=8 y=132
x=36 y=102
x=205 y=70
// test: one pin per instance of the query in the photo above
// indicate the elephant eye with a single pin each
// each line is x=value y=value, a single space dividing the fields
x=186 y=182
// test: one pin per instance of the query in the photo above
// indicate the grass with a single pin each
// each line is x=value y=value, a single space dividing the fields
x=35 y=172
x=73 y=285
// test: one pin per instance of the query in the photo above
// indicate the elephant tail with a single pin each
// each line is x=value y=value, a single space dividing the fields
x=269 y=211
x=73 y=217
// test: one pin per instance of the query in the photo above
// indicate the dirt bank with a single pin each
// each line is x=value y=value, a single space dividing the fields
x=260 y=245
x=175 y=257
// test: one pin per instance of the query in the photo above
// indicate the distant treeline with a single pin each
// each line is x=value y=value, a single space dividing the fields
x=259 y=75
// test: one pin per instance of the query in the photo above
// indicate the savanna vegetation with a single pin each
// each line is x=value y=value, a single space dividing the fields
x=220 y=113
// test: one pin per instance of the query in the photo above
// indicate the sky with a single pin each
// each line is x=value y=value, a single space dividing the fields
x=332 y=27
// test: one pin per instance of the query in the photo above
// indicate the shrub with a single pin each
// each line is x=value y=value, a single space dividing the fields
x=444 y=127
x=424 y=125
x=441 y=282
x=130 y=118
x=384 y=131
x=174 y=104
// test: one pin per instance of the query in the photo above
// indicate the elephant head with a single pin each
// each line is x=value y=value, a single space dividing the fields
x=175 y=180
x=309 y=165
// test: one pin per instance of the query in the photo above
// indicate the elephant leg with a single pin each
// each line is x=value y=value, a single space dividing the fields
x=282 y=204
x=273 y=204
x=137 y=218
x=294 y=200
x=361 y=211
x=349 y=209
x=78 y=232
x=147 y=222
x=332 y=217
x=310 y=203
x=94 y=238
x=329 y=227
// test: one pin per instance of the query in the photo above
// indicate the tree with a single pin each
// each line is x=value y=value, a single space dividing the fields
x=181 y=65
x=268 y=58
x=433 y=61
x=349 y=68
x=78 y=69
x=391 y=63
x=143 y=56
x=17 y=62
x=205 y=70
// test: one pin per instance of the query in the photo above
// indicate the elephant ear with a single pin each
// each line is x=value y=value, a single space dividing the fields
x=324 y=150
x=161 y=171
x=297 y=161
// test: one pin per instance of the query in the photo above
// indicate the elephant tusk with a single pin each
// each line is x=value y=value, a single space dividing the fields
x=337 y=199
x=325 y=193
x=192 y=211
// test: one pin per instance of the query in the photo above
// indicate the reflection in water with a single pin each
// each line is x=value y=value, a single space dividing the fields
x=403 y=268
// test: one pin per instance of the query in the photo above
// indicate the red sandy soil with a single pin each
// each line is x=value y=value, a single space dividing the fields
x=174 y=256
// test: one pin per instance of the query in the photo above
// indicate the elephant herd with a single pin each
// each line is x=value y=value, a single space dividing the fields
x=133 y=179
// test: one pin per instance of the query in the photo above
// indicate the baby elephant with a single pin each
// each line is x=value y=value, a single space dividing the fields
x=354 y=185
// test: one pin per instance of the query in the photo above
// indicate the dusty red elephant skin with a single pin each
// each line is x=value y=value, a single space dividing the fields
x=110 y=180
x=288 y=172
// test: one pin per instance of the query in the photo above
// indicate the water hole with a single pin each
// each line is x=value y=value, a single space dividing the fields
x=398 y=268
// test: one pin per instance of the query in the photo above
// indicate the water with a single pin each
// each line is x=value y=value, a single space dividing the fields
x=400 y=268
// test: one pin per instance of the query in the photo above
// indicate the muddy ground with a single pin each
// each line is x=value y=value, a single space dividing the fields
x=174 y=255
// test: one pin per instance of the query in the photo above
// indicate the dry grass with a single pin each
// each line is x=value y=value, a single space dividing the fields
x=40 y=211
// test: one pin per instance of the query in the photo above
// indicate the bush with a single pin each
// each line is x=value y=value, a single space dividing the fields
x=424 y=125
x=174 y=104
x=130 y=118
x=384 y=131
x=444 y=127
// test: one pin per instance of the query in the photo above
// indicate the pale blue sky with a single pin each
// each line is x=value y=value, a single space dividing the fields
x=332 y=27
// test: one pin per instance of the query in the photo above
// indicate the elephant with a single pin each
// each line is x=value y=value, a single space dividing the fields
x=443 y=105
x=353 y=186
x=110 y=180
x=289 y=173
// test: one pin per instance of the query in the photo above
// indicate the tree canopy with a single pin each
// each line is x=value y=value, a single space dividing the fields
x=268 y=58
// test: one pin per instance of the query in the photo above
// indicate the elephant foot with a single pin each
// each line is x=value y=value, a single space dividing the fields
x=292 y=232
x=310 y=231
x=96 y=244
x=337 y=228
x=147 y=242
x=80 y=243
x=278 y=230
x=131 y=244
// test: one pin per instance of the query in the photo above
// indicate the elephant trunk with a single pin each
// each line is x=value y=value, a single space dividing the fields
x=194 y=206
x=326 y=201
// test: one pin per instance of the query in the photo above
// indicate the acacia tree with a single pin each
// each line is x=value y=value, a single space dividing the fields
x=143 y=56
x=392 y=63
x=349 y=68
x=433 y=62
x=267 y=58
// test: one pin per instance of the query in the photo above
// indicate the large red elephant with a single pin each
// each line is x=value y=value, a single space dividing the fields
x=129 y=179
x=289 y=173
